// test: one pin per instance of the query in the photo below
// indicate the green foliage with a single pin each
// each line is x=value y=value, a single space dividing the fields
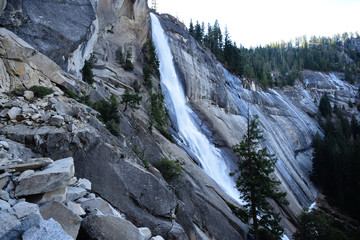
x=170 y=170
x=40 y=91
x=324 y=106
x=286 y=58
x=113 y=127
x=18 y=92
x=316 y=225
x=242 y=214
x=85 y=99
x=70 y=94
x=336 y=162
x=132 y=100
x=255 y=166
x=119 y=56
x=87 y=73
x=152 y=64
x=351 y=105
x=136 y=86
x=147 y=77
x=128 y=65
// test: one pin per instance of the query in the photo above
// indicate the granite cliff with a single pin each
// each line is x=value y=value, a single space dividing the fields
x=46 y=44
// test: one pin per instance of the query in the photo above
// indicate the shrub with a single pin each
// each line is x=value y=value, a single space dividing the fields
x=87 y=73
x=128 y=65
x=18 y=92
x=170 y=170
x=108 y=110
x=40 y=91
x=113 y=127
x=70 y=94
x=119 y=56
x=147 y=77
x=136 y=86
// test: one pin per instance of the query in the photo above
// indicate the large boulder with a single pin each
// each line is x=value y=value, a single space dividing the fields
x=55 y=176
x=110 y=228
x=47 y=230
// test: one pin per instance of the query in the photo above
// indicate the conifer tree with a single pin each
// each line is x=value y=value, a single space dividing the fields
x=133 y=100
x=255 y=167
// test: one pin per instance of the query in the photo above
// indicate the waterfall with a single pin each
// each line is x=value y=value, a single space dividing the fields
x=213 y=163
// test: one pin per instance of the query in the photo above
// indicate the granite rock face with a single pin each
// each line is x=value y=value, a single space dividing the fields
x=55 y=28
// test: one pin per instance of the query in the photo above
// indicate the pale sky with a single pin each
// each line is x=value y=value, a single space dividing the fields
x=259 y=22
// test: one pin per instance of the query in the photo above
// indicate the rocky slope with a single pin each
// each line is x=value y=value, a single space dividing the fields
x=57 y=127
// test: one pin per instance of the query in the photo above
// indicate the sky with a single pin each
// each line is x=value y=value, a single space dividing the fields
x=259 y=22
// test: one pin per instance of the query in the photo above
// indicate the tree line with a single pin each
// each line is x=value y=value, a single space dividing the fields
x=285 y=59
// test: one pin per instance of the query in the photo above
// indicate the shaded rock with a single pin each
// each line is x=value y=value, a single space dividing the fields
x=177 y=232
x=58 y=195
x=74 y=193
x=101 y=205
x=69 y=221
x=4 y=195
x=4 y=179
x=54 y=176
x=34 y=163
x=14 y=112
x=110 y=228
x=47 y=230
x=57 y=120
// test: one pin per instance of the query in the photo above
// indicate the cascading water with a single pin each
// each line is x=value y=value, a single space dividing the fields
x=189 y=132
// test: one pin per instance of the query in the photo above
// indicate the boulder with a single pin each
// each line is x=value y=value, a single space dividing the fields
x=54 y=176
x=56 y=120
x=58 y=195
x=84 y=183
x=14 y=112
x=4 y=144
x=69 y=221
x=23 y=209
x=145 y=233
x=76 y=208
x=29 y=95
x=109 y=228
x=34 y=163
x=101 y=205
x=4 y=179
x=4 y=205
x=74 y=193
x=47 y=230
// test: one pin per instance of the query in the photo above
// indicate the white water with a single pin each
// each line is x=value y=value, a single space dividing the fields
x=209 y=156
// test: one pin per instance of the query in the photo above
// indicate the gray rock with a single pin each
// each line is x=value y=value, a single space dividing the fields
x=14 y=112
x=101 y=205
x=23 y=209
x=56 y=29
x=4 y=144
x=84 y=183
x=145 y=233
x=54 y=176
x=34 y=163
x=71 y=127
x=4 y=195
x=3 y=180
x=58 y=195
x=69 y=221
x=74 y=193
x=48 y=230
x=56 y=120
x=4 y=205
x=76 y=208
x=110 y=228
x=25 y=174
x=157 y=238
x=29 y=95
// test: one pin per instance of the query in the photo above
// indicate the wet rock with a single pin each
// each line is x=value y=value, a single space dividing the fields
x=54 y=176
x=110 y=228
x=69 y=221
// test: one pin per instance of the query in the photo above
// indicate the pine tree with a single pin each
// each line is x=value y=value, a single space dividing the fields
x=133 y=100
x=255 y=167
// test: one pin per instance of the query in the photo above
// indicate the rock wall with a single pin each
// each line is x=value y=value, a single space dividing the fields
x=221 y=101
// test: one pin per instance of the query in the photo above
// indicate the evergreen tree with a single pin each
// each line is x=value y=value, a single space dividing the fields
x=191 y=28
x=132 y=100
x=128 y=65
x=255 y=167
x=324 y=106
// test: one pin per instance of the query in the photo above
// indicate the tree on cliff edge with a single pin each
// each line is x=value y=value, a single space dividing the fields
x=255 y=165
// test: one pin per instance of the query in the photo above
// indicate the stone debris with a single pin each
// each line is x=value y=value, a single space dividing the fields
x=66 y=202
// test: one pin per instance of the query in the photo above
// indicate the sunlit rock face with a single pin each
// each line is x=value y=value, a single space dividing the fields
x=287 y=115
